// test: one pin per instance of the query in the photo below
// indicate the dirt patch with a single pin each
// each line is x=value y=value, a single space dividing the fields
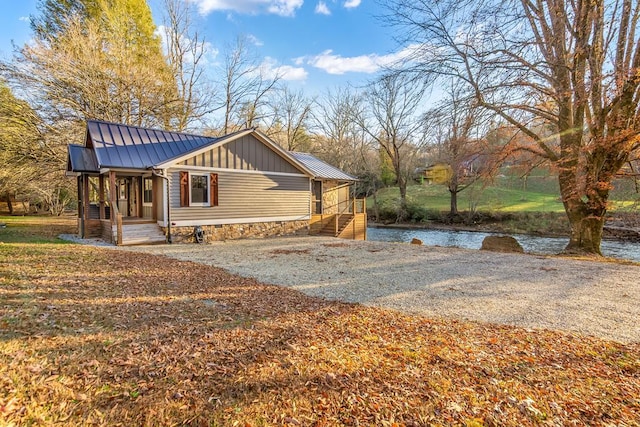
x=290 y=251
x=335 y=245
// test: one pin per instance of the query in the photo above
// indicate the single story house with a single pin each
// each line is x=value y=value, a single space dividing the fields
x=139 y=185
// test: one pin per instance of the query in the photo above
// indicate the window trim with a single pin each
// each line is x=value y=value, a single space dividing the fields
x=206 y=178
x=150 y=202
x=185 y=188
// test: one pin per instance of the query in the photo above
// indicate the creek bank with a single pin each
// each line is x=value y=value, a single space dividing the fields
x=620 y=226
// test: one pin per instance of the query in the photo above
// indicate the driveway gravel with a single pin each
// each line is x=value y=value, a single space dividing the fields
x=588 y=297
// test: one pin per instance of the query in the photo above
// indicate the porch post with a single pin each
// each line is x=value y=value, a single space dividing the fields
x=154 y=196
x=85 y=202
x=80 y=208
x=113 y=201
x=101 y=195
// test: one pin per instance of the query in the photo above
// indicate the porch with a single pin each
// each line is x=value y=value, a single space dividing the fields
x=120 y=208
x=335 y=213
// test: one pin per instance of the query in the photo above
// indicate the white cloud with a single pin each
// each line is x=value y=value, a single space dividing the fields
x=24 y=19
x=254 y=40
x=369 y=64
x=351 y=4
x=270 y=69
x=254 y=7
x=322 y=8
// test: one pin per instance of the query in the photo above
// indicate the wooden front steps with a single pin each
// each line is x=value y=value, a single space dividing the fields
x=330 y=228
x=140 y=233
x=345 y=226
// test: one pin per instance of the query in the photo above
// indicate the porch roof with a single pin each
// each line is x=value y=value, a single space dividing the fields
x=82 y=159
x=320 y=169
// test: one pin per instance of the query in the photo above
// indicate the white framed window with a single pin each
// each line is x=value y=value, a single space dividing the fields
x=199 y=191
x=147 y=191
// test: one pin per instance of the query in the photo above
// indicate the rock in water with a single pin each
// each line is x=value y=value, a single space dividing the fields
x=501 y=244
x=415 y=241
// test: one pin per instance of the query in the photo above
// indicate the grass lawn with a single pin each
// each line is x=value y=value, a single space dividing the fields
x=436 y=197
x=96 y=336
x=490 y=199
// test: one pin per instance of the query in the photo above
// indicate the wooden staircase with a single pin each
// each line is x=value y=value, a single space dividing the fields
x=140 y=233
x=329 y=229
x=344 y=226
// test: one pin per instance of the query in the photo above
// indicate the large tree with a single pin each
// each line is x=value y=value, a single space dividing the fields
x=101 y=60
x=30 y=158
x=290 y=117
x=186 y=51
x=572 y=64
x=339 y=138
x=244 y=87
x=89 y=59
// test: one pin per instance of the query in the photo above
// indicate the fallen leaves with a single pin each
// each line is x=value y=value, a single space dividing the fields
x=103 y=337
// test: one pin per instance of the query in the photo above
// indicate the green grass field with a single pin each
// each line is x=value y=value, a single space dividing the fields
x=28 y=229
x=436 y=198
x=542 y=195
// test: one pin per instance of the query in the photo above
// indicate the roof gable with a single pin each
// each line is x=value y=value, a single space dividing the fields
x=230 y=139
x=245 y=152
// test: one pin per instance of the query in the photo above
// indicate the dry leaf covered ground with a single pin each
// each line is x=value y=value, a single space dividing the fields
x=592 y=298
x=92 y=336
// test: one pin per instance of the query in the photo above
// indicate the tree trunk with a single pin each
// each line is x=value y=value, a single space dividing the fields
x=586 y=218
x=586 y=230
x=376 y=210
x=7 y=198
x=454 y=203
x=453 y=191
x=402 y=210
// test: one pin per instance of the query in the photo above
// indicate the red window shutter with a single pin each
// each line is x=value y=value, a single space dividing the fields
x=213 y=187
x=184 y=188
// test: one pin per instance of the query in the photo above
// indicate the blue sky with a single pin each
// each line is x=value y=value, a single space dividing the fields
x=314 y=44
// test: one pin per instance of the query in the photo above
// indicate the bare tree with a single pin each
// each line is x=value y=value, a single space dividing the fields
x=291 y=113
x=571 y=64
x=186 y=50
x=455 y=136
x=392 y=120
x=338 y=136
x=246 y=85
x=30 y=156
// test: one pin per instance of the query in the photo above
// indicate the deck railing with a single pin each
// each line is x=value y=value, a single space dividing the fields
x=355 y=209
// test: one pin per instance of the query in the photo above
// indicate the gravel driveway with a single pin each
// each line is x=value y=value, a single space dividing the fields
x=593 y=298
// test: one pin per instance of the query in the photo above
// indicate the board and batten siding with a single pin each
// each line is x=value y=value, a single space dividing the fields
x=256 y=197
x=246 y=153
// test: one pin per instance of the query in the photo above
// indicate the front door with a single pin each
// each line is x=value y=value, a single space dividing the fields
x=128 y=190
x=134 y=185
x=317 y=198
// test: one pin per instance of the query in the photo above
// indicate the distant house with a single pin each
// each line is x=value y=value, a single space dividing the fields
x=138 y=185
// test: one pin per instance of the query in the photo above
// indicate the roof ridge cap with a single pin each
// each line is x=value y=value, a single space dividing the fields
x=151 y=129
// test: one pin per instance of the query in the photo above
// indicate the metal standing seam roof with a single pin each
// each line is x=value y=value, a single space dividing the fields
x=321 y=169
x=82 y=159
x=130 y=147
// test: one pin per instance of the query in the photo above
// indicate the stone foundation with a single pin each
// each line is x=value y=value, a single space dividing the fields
x=214 y=233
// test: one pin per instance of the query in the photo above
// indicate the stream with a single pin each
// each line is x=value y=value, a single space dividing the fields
x=473 y=240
